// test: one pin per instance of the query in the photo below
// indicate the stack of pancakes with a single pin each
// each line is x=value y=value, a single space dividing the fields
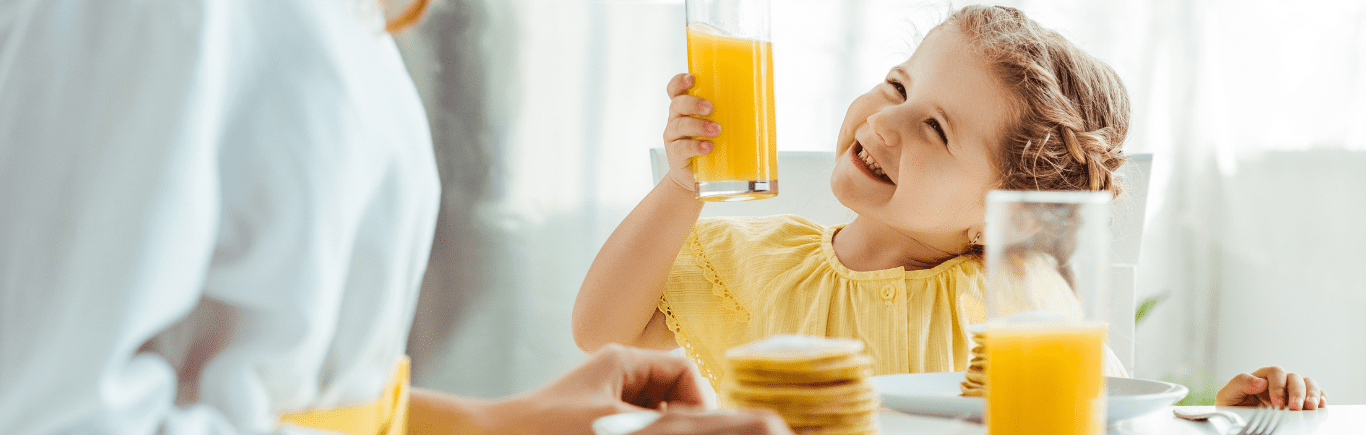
x=818 y=385
x=975 y=382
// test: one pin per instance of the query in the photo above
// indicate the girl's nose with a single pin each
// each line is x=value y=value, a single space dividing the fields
x=883 y=124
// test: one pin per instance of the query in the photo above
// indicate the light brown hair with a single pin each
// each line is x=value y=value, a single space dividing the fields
x=1071 y=111
x=1070 y=117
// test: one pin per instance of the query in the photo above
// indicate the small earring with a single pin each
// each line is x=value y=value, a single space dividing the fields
x=975 y=239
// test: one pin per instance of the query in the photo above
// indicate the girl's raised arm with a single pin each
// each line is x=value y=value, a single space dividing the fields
x=618 y=299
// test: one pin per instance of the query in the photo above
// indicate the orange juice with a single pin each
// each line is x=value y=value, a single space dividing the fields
x=1045 y=379
x=736 y=75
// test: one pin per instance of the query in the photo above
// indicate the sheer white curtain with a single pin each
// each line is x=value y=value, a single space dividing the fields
x=1256 y=113
x=543 y=111
x=1258 y=234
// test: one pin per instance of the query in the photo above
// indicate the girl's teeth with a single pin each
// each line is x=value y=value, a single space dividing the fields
x=872 y=165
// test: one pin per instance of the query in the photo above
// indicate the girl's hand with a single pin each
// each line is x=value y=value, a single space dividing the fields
x=679 y=144
x=1272 y=386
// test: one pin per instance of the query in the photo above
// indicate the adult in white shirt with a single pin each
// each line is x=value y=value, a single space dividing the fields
x=215 y=213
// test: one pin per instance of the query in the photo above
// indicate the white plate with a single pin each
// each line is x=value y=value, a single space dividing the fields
x=938 y=394
x=624 y=423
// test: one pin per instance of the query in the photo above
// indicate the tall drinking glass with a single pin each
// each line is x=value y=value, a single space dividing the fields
x=731 y=56
x=1047 y=301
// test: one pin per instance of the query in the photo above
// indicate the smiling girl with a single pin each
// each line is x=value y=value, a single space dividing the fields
x=989 y=100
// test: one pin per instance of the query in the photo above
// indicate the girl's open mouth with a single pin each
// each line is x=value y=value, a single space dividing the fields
x=869 y=165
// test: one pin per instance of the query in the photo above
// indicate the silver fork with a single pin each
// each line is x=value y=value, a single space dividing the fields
x=1263 y=421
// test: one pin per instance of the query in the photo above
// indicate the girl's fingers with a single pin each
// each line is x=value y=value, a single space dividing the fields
x=1259 y=399
x=1313 y=394
x=689 y=105
x=683 y=149
x=1275 y=376
x=1294 y=392
x=1243 y=389
x=687 y=127
x=680 y=154
x=679 y=84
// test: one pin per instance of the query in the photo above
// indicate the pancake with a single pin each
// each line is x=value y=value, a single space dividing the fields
x=973 y=390
x=975 y=379
x=818 y=385
x=824 y=370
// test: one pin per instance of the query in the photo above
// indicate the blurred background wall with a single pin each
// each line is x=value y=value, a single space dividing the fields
x=543 y=112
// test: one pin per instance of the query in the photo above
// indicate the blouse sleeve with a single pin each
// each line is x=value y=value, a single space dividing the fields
x=108 y=208
x=722 y=269
x=698 y=304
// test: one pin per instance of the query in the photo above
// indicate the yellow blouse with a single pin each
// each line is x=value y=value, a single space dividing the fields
x=737 y=280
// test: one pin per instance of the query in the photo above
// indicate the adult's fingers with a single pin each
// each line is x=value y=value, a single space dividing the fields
x=730 y=421
x=687 y=127
x=689 y=105
x=679 y=84
x=1275 y=376
x=1242 y=390
x=651 y=377
x=1313 y=394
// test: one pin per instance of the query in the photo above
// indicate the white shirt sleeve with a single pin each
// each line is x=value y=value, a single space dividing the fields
x=108 y=206
x=139 y=215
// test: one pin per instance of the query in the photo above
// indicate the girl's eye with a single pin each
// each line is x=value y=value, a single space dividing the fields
x=934 y=123
x=899 y=89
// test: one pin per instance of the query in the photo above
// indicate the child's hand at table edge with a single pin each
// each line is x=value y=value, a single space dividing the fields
x=1272 y=386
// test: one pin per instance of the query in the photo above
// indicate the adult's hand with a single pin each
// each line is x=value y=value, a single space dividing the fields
x=614 y=379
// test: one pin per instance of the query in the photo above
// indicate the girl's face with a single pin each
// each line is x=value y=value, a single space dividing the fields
x=915 y=152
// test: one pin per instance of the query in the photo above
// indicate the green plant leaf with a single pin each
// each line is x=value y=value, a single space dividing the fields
x=1146 y=307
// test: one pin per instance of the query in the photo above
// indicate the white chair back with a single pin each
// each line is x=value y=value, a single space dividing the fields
x=803 y=189
x=1126 y=226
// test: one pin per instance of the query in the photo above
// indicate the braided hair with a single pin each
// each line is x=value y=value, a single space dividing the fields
x=1072 y=111
x=1070 y=116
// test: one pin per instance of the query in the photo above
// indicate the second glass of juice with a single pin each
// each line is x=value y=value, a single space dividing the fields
x=730 y=55
x=1047 y=257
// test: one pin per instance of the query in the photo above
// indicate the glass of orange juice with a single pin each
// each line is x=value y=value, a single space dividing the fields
x=1047 y=258
x=730 y=55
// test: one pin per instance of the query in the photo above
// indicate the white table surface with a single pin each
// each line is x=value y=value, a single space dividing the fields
x=1332 y=420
